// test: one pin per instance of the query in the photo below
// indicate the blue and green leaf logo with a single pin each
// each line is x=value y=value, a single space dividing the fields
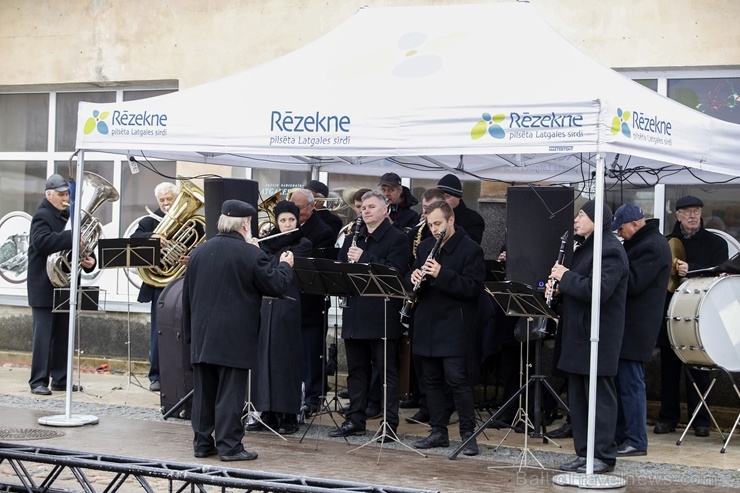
x=97 y=121
x=619 y=123
x=489 y=124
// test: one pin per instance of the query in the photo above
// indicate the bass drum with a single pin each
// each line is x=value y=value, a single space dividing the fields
x=702 y=322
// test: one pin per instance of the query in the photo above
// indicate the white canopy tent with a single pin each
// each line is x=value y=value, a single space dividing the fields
x=488 y=91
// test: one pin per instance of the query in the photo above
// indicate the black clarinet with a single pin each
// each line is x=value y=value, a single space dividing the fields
x=358 y=223
x=561 y=259
x=409 y=303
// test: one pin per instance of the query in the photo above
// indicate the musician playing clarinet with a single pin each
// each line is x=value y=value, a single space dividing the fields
x=444 y=320
x=366 y=320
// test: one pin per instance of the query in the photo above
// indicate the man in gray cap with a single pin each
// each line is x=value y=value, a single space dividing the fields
x=400 y=202
x=227 y=277
x=649 y=270
x=703 y=249
x=50 y=330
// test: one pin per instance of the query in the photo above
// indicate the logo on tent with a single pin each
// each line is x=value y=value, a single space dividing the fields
x=489 y=125
x=96 y=121
x=619 y=123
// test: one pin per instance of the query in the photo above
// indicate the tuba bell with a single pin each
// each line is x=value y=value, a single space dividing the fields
x=184 y=230
x=266 y=215
x=96 y=190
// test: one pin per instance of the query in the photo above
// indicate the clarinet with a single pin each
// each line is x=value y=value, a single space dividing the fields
x=358 y=223
x=409 y=303
x=561 y=258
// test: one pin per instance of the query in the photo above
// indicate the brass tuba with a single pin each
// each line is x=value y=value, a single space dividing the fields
x=96 y=190
x=266 y=215
x=184 y=230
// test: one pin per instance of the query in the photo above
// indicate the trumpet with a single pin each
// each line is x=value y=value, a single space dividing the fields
x=409 y=303
x=358 y=223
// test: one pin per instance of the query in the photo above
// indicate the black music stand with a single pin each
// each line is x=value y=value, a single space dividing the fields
x=325 y=277
x=125 y=253
x=520 y=300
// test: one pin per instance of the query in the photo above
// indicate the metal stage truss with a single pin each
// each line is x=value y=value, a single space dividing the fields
x=134 y=473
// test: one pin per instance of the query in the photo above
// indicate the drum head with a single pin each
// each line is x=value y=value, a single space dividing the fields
x=719 y=314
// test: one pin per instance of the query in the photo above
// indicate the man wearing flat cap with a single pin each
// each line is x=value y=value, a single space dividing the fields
x=400 y=202
x=50 y=330
x=703 y=249
x=321 y=191
x=227 y=277
x=649 y=270
x=574 y=291
x=465 y=218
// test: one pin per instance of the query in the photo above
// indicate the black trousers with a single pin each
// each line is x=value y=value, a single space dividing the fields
x=671 y=368
x=218 y=402
x=451 y=372
x=362 y=355
x=49 y=356
x=606 y=416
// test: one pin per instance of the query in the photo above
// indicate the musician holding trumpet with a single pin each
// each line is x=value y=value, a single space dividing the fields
x=448 y=271
x=50 y=330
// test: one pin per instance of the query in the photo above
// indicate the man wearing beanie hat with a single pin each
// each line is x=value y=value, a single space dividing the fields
x=649 y=259
x=704 y=249
x=321 y=191
x=400 y=202
x=50 y=329
x=574 y=292
x=222 y=292
x=467 y=219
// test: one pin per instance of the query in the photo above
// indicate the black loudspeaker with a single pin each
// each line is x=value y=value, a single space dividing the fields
x=536 y=219
x=218 y=190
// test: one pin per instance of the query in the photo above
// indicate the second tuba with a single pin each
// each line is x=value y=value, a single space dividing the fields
x=96 y=190
x=184 y=230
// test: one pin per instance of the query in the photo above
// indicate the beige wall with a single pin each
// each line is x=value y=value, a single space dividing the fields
x=192 y=41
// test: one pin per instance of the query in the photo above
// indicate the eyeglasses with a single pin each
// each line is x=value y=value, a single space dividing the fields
x=690 y=212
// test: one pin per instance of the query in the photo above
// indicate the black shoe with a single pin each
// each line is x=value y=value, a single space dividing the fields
x=41 y=390
x=497 y=424
x=471 y=448
x=573 y=465
x=373 y=413
x=205 y=453
x=254 y=426
x=388 y=437
x=519 y=428
x=701 y=431
x=343 y=394
x=348 y=428
x=626 y=450
x=155 y=386
x=410 y=403
x=243 y=455
x=565 y=431
x=75 y=388
x=436 y=439
x=288 y=424
x=421 y=416
x=600 y=467
x=662 y=428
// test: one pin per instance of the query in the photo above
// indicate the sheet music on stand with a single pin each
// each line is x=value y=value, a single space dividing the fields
x=128 y=252
x=519 y=300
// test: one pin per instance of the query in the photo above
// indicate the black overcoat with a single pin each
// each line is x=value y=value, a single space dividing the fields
x=222 y=298
x=402 y=215
x=575 y=288
x=470 y=221
x=47 y=235
x=445 y=313
x=145 y=229
x=276 y=381
x=650 y=261
x=703 y=250
x=362 y=318
x=313 y=305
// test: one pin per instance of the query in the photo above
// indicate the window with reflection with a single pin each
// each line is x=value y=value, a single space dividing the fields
x=651 y=84
x=715 y=97
x=23 y=184
x=66 y=118
x=24 y=122
x=137 y=192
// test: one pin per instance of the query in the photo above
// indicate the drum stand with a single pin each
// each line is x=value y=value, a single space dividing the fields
x=716 y=371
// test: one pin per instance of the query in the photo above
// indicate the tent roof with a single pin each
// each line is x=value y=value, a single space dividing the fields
x=489 y=90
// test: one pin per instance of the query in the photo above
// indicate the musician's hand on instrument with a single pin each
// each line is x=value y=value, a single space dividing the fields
x=432 y=267
x=183 y=260
x=548 y=289
x=162 y=240
x=287 y=257
x=502 y=256
x=88 y=263
x=557 y=271
x=682 y=268
x=254 y=241
x=417 y=276
x=354 y=253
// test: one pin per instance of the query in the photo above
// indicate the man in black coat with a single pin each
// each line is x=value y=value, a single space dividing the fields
x=444 y=320
x=50 y=330
x=575 y=291
x=313 y=306
x=165 y=193
x=650 y=261
x=367 y=320
x=703 y=249
x=468 y=219
x=221 y=302
x=400 y=202
x=321 y=191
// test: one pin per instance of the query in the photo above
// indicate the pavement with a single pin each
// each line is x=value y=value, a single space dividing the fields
x=130 y=424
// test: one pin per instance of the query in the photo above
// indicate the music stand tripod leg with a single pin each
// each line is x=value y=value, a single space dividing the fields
x=249 y=409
